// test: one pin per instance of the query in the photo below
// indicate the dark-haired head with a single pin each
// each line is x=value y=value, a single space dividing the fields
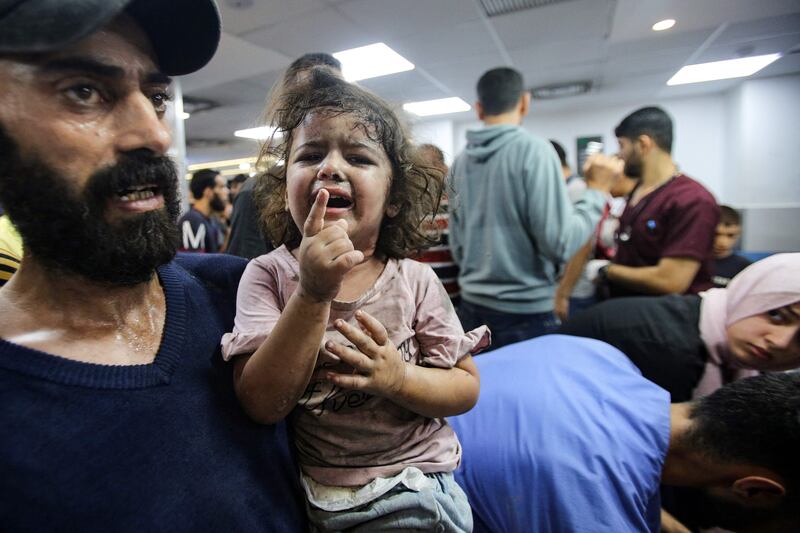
x=297 y=74
x=238 y=178
x=651 y=121
x=754 y=423
x=562 y=155
x=201 y=180
x=729 y=216
x=500 y=90
x=414 y=187
x=311 y=60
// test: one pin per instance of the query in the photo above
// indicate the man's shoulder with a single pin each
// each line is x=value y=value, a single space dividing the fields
x=521 y=138
x=220 y=271
x=689 y=190
x=193 y=216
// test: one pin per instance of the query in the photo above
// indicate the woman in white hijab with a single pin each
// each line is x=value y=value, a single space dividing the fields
x=691 y=345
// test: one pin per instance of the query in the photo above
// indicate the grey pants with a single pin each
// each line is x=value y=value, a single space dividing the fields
x=442 y=508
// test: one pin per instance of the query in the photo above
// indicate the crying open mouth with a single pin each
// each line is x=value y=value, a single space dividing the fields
x=339 y=202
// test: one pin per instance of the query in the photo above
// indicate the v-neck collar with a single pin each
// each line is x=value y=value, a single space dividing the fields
x=388 y=272
x=59 y=369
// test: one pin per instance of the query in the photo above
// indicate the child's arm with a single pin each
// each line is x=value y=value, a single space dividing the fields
x=380 y=370
x=269 y=382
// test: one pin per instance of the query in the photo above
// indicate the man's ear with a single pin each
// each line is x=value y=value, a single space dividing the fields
x=758 y=491
x=645 y=144
x=479 y=111
x=525 y=103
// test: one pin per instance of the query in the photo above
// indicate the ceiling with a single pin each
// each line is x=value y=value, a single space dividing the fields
x=452 y=42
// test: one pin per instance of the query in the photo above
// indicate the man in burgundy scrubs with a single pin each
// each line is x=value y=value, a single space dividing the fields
x=666 y=232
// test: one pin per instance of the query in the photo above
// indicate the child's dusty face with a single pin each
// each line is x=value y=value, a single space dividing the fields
x=335 y=153
x=767 y=341
x=725 y=239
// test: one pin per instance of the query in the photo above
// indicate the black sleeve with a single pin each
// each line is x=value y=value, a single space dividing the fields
x=660 y=335
x=246 y=239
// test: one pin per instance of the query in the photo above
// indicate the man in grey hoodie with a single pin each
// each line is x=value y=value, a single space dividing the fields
x=512 y=223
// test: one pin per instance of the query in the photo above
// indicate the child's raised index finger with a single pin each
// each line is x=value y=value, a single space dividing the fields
x=315 y=220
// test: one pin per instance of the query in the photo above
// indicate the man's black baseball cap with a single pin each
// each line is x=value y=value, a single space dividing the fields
x=183 y=33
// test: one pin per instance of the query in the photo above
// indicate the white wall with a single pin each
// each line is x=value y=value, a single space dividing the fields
x=764 y=147
x=763 y=161
x=699 y=133
x=437 y=132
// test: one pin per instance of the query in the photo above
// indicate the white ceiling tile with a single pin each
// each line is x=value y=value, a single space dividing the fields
x=235 y=59
x=746 y=48
x=264 y=13
x=633 y=19
x=232 y=93
x=531 y=59
x=220 y=123
x=322 y=30
x=431 y=48
x=765 y=27
x=394 y=19
x=578 y=19
x=607 y=41
x=655 y=45
x=403 y=87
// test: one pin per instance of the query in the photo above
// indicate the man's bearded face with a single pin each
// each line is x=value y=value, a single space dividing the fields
x=67 y=229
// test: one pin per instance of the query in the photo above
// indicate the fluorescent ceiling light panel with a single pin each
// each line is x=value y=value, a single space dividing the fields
x=437 y=107
x=371 y=61
x=722 y=70
x=223 y=163
x=663 y=24
x=261 y=133
x=184 y=115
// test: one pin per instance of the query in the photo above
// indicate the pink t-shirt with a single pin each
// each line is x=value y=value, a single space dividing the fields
x=346 y=437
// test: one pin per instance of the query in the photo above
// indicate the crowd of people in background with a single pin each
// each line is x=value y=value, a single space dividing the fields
x=359 y=337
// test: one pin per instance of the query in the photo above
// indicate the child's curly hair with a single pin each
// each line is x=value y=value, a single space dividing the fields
x=416 y=185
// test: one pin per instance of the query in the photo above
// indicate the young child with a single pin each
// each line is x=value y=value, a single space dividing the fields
x=726 y=263
x=358 y=346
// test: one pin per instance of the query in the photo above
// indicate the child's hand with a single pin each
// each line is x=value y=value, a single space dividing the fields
x=326 y=253
x=378 y=367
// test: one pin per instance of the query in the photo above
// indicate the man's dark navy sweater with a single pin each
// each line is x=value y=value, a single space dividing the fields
x=157 y=447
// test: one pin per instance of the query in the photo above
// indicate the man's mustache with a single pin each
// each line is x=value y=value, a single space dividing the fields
x=133 y=170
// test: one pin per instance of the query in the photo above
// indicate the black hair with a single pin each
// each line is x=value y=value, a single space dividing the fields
x=499 y=90
x=729 y=216
x=651 y=121
x=415 y=185
x=238 y=178
x=294 y=75
x=753 y=421
x=202 y=180
x=562 y=155
x=311 y=60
